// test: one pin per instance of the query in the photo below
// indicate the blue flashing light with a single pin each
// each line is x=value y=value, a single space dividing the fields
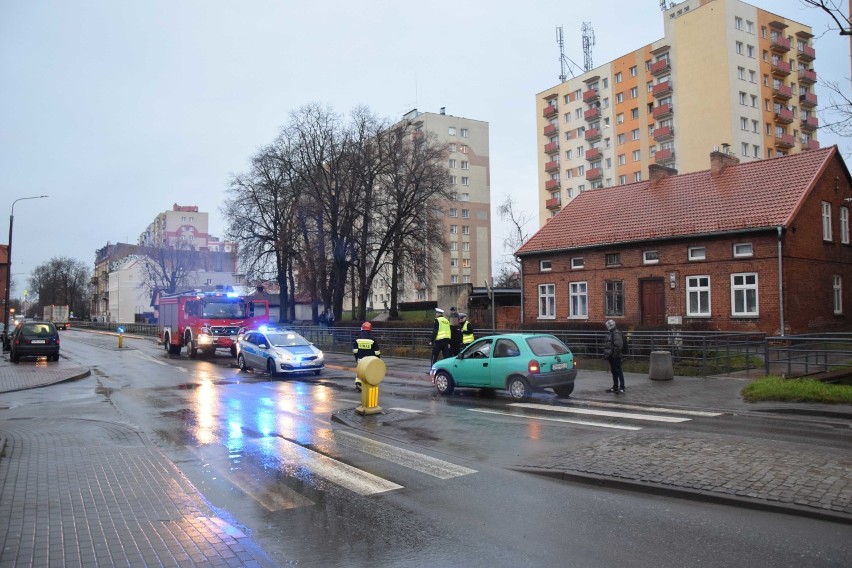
x=232 y=295
x=263 y=328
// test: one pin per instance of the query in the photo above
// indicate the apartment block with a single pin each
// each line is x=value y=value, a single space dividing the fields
x=726 y=76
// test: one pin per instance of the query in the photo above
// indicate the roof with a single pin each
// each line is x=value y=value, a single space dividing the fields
x=750 y=196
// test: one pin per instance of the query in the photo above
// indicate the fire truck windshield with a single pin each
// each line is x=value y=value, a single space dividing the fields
x=224 y=310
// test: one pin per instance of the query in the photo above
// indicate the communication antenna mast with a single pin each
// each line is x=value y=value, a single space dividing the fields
x=564 y=62
x=588 y=43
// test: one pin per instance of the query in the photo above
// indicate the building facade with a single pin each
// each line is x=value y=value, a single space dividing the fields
x=759 y=246
x=725 y=75
x=467 y=216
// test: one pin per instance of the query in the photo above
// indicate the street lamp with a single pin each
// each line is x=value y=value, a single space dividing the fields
x=9 y=260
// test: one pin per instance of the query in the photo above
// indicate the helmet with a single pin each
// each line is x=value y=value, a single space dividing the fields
x=610 y=324
x=462 y=315
x=366 y=326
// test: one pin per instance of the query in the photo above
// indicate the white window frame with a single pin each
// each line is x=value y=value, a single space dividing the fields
x=578 y=300
x=650 y=257
x=545 y=265
x=465 y=213
x=741 y=291
x=826 y=221
x=454 y=212
x=697 y=253
x=578 y=263
x=465 y=229
x=844 y=225
x=698 y=288
x=465 y=133
x=837 y=285
x=547 y=301
x=743 y=250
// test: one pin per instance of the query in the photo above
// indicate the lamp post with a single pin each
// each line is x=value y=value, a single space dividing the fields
x=9 y=260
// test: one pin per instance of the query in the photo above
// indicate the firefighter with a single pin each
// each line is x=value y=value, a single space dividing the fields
x=440 y=336
x=364 y=346
x=466 y=330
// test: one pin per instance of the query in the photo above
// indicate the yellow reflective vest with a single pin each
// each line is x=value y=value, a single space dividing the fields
x=443 y=328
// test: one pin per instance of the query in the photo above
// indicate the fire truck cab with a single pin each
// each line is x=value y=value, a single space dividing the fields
x=207 y=321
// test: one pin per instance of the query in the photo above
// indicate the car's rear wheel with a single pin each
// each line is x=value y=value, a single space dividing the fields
x=233 y=350
x=270 y=367
x=518 y=388
x=444 y=383
x=564 y=391
x=241 y=363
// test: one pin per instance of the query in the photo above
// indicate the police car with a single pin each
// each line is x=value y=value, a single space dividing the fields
x=277 y=351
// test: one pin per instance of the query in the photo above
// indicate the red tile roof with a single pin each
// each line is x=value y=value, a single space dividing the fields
x=753 y=195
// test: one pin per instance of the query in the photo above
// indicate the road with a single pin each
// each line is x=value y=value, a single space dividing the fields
x=437 y=488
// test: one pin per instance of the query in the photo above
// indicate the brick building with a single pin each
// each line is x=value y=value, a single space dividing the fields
x=758 y=246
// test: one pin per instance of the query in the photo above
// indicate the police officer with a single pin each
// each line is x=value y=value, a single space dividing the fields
x=455 y=332
x=364 y=346
x=466 y=330
x=441 y=335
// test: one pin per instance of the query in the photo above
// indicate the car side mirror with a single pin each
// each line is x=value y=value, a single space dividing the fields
x=263 y=345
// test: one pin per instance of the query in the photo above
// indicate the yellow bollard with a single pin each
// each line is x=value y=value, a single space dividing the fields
x=120 y=337
x=371 y=371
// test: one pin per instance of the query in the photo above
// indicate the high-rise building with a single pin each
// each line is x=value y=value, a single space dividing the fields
x=467 y=216
x=726 y=75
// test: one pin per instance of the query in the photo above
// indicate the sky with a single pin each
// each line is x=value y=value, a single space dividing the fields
x=118 y=109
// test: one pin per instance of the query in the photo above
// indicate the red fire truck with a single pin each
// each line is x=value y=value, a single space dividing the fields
x=207 y=321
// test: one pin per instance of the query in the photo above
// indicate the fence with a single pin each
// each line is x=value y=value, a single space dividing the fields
x=799 y=355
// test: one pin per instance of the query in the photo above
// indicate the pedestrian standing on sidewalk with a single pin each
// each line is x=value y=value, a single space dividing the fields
x=364 y=345
x=612 y=353
x=440 y=336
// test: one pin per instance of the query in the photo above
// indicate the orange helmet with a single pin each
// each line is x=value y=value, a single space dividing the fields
x=366 y=326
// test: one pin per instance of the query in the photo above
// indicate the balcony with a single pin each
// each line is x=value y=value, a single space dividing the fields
x=549 y=111
x=666 y=155
x=551 y=147
x=592 y=114
x=807 y=76
x=780 y=68
x=593 y=154
x=550 y=130
x=662 y=111
x=551 y=184
x=591 y=96
x=660 y=67
x=662 y=89
x=593 y=134
x=780 y=44
x=553 y=203
x=810 y=123
x=785 y=142
x=806 y=53
x=784 y=116
x=593 y=174
x=808 y=100
x=782 y=92
x=551 y=166
x=663 y=133
x=812 y=145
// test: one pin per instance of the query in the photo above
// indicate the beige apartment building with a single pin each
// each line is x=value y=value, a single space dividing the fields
x=726 y=75
x=467 y=217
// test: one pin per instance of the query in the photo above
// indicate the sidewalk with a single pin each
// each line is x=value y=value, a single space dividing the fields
x=98 y=493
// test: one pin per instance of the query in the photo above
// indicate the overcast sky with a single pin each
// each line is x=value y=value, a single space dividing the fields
x=119 y=109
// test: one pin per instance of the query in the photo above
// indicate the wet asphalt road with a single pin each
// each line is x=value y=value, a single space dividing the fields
x=311 y=492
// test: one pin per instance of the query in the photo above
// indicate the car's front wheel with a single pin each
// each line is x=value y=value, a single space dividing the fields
x=519 y=389
x=270 y=367
x=564 y=391
x=241 y=363
x=444 y=383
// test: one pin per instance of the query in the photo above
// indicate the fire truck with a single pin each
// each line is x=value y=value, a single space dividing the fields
x=207 y=321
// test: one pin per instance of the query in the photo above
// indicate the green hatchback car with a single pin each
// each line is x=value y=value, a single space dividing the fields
x=518 y=362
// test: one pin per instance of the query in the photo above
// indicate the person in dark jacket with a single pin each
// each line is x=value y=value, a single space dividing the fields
x=455 y=332
x=466 y=330
x=441 y=335
x=612 y=353
x=364 y=345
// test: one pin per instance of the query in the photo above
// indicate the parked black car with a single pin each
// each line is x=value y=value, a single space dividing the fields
x=34 y=339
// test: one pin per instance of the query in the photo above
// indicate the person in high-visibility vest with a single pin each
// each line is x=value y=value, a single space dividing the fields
x=466 y=330
x=441 y=334
x=364 y=345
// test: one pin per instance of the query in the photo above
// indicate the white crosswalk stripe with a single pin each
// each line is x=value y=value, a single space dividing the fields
x=567 y=420
x=603 y=413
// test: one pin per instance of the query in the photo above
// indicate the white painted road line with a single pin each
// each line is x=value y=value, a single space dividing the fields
x=352 y=478
x=606 y=413
x=412 y=460
x=568 y=420
x=651 y=408
x=148 y=358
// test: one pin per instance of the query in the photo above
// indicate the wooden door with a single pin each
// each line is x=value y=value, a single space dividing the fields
x=652 y=311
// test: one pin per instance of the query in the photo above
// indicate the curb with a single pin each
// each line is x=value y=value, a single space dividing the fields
x=85 y=373
x=690 y=494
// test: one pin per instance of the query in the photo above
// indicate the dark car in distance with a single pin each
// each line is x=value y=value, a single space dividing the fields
x=34 y=339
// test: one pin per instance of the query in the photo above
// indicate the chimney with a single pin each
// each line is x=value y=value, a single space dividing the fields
x=443 y=110
x=656 y=172
x=721 y=160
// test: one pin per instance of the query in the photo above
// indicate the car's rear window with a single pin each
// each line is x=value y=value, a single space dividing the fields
x=38 y=329
x=546 y=345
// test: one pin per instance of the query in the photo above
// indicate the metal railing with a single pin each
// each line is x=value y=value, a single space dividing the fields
x=800 y=355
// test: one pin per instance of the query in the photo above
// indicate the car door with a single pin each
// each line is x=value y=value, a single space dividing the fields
x=505 y=360
x=251 y=350
x=470 y=367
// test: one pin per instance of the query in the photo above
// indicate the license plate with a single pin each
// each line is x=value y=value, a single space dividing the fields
x=559 y=366
x=37 y=341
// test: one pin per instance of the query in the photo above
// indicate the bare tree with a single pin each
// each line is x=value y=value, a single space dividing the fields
x=63 y=281
x=839 y=18
x=168 y=268
x=509 y=273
